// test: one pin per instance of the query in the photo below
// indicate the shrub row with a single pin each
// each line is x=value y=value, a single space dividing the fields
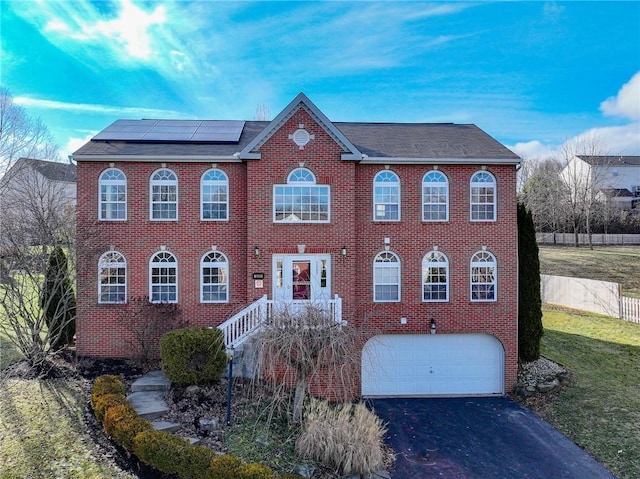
x=164 y=451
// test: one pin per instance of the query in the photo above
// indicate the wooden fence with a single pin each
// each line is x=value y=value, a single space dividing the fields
x=583 y=239
x=630 y=309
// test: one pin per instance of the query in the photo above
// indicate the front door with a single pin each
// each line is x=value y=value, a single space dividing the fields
x=301 y=280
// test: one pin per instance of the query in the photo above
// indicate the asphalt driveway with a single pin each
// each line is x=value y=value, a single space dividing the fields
x=478 y=438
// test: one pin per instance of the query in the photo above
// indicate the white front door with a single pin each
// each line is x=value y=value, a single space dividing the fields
x=301 y=280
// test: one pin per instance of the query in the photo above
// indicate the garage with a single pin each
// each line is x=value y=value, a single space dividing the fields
x=432 y=365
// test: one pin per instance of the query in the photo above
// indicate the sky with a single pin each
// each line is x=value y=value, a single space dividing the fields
x=534 y=75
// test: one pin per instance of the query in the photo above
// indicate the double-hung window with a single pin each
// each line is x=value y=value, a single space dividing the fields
x=112 y=278
x=435 y=197
x=163 y=278
x=435 y=277
x=164 y=195
x=301 y=199
x=214 y=278
x=483 y=197
x=484 y=270
x=386 y=278
x=386 y=197
x=113 y=195
x=214 y=196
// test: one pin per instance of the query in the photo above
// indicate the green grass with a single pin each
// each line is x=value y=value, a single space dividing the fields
x=600 y=408
x=618 y=264
x=42 y=433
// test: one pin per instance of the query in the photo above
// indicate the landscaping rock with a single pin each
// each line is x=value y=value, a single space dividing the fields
x=548 y=386
x=305 y=470
x=208 y=424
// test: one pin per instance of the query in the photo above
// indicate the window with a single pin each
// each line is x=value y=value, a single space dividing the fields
x=483 y=197
x=435 y=277
x=435 y=197
x=164 y=195
x=386 y=197
x=163 y=282
x=214 y=278
x=483 y=276
x=301 y=199
x=112 y=278
x=113 y=195
x=214 y=196
x=386 y=278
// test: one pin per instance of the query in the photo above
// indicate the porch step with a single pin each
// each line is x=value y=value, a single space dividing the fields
x=148 y=404
x=153 y=381
x=166 y=426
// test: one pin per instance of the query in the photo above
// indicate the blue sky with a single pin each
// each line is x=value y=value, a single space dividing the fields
x=532 y=74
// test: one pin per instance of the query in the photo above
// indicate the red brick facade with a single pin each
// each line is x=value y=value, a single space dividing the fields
x=250 y=224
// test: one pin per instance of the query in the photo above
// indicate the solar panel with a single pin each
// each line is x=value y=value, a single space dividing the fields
x=213 y=131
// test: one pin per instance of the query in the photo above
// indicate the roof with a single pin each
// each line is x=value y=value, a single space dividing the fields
x=617 y=192
x=52 y=170
x=611 y=160
x=361 y=141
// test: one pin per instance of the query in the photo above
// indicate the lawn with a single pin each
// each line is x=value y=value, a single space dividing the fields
x=618 y=264
x=600 y=408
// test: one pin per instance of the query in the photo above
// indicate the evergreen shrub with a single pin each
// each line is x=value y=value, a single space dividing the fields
x=123 y=424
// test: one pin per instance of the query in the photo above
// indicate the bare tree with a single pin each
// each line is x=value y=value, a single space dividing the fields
x=313 y=348
x=262 y=112
x=583 y=180
x=21 y=135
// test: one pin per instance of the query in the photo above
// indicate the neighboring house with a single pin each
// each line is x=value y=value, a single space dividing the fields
x=410 y=228
x=614 y=179
x=36 y=196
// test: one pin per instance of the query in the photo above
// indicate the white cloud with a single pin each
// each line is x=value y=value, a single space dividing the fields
x=532 y=149
x=627 y=102
x=93 y=108
x=74 y=144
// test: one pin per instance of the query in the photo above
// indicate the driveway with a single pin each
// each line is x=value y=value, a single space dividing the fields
x=478 y=438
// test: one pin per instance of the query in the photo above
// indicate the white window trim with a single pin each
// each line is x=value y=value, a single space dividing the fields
x=224 y=264
x=446 y=203
x=373 y=197
x=151 y=265
x=493 y=264
x=399 y=266
x=214 y=182
x=153 y=182
x=473 y=184
x=425 y=264
x=107 y=183
x=103 y=265
x=293 y=184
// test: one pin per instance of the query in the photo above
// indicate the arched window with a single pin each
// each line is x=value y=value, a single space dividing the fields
x=164 y=195
x=112 y=278
x=214 y=278
x=386 y=197
x=163 y=278
x=386 y=278
x=484 y=271
x=435 y=277
x=435 y=197
x=483 y=197
x=112 y=203
x=301 y=199
x=214 y=196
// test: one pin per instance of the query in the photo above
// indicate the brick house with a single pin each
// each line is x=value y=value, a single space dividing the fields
x=411 y=227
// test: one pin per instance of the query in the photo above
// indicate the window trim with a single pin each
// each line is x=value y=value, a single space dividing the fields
x=102 y=265
x=202 y=283
x=376 y=264
x=151 y=266
x=293 y=182
x=102 y=182
x=478 y=184
x=425 y=264
x=204 y=183
x=153 y=183
x=444 y=183
x=493 y=264
x=399 y=193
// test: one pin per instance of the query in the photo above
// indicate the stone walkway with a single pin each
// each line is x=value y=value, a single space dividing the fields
x=148 y=399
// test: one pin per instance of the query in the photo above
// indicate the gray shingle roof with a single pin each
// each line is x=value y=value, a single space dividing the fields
x=381 y=140
x=611 y=160
x=52 y=170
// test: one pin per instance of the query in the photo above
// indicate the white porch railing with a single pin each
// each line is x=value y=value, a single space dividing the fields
x=241 y=325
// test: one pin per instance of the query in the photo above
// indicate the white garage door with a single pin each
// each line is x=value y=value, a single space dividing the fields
x=432 y=364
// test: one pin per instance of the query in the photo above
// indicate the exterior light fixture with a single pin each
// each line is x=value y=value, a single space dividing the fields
x=256 y=252
x=343 y=251
x=433 y=326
